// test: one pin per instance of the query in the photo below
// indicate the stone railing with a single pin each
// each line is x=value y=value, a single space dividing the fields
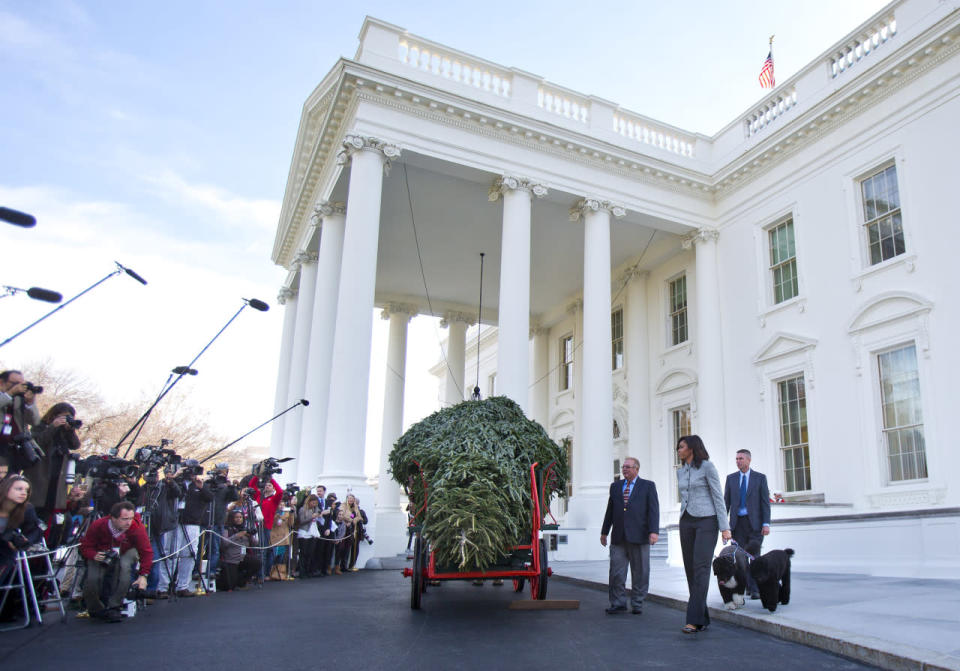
x=769 y=111
x=564 y=103
x=862 y=46
x=645 y=131
x=454 y=67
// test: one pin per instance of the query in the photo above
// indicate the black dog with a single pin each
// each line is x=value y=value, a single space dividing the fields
x=772 y=574
x=731 y=568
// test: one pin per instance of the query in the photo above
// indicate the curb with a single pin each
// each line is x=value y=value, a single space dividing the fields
x=866 y=649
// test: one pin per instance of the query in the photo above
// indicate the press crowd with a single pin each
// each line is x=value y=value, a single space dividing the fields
x=154 y=534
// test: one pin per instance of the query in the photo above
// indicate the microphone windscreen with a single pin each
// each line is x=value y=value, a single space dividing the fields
x=44 y=295
x=17 y=218
x=134 y=276
x=257 y=304
x=304 y=401
x=184 y=370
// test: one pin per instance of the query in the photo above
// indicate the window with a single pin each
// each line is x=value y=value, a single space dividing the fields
x=881 y=215
x=566 y=362
x=902 y=416
x=678 y=310
x=680 y=421
x=794 y=445
x=783 y=262
x=616 y=330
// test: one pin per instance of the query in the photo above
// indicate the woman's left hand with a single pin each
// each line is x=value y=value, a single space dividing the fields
x=726 y=535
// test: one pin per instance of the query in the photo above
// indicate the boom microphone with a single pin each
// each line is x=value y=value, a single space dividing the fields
x=184 y=370
x=131 y=273
x=44 y=295
x=17 y=218
x=257 y=304
x=304 y=401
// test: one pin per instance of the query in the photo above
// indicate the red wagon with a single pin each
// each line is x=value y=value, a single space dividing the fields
x=524 y=563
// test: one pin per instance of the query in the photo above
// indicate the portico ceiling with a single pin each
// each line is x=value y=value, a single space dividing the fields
x=455 y=221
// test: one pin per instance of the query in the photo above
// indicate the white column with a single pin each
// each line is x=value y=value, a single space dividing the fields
x=597 y=398
x=710 y=424
x=307 y=263
x=288 y=300
x=637 y=360
x=540 y=386
x=453 y=389
x=350 y=371
x=391 y=519
x=330 y=216
x=513 y=319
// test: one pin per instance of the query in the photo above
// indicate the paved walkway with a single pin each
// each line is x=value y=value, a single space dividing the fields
x=894 y=623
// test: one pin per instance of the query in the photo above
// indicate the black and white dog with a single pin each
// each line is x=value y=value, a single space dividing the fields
x=772 y=574
x=731 y=567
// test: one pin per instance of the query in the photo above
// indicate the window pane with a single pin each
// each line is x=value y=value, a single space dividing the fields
x=882 y=217
x=902 y=414
x=794 y=448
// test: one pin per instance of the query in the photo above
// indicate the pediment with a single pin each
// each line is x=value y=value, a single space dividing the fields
x=886 y=308
x=783 y=344
x=561 y=418
x=676 y=379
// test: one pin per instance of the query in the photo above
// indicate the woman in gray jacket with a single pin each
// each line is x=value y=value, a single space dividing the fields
x=702 y=514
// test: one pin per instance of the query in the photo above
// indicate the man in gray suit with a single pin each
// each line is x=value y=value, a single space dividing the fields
x=748 y=503
x=633 y=510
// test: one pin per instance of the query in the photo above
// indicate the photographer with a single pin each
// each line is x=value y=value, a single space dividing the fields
x=18 y=413
x=268 y=501
x=238 y=565
x=111 y=546
x=195 y=515
x=19 y=526
x=280 y=534
x=107 y=493
x=308 y=536
x=224 y=492
x=57 y=437
x=160 y=501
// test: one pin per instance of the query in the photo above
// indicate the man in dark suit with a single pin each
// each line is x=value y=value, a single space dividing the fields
x=748 y=503
x=633 y=510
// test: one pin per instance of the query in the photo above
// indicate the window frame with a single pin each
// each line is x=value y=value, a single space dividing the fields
x=773 y=266
x=614 y=340
x=670 y=312
x=865 y=221
x=565 y=371
x=783 y=449
x=883 y=429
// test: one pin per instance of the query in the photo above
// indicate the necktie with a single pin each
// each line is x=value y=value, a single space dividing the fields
x=626 y=494
x=743 y=491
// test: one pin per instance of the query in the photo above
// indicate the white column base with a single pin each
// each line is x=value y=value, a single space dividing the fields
x=391 y=538
x=585 y=512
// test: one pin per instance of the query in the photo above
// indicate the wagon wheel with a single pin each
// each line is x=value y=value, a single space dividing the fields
x=518 y=584
x=538 y=583
x=417 y=580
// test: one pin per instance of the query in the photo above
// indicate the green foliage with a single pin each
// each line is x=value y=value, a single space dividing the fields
x=475 y=459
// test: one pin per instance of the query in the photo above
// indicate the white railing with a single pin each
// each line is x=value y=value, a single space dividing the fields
x=862 y=46
x=456 y=68
x=645 y=132
x=771 y=110
x=564 y=104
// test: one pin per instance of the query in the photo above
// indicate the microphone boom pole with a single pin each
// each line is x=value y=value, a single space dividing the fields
x=119 y=270
x=302 y=401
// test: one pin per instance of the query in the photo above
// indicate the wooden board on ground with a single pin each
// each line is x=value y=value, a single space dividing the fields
x=545 y=604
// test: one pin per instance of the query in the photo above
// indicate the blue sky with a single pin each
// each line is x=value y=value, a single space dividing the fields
x=160 y=135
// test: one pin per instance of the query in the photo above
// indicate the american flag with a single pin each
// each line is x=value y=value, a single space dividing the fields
x=766 y=72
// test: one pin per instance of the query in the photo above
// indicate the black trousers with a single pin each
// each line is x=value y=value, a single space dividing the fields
x=308 y=548
x=698 y=538
x=743 y=533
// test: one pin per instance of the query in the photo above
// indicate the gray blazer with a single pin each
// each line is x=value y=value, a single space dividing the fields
x=701 y=494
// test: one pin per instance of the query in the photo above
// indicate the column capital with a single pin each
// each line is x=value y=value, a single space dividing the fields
x=539 y=331
x=699 y=236
x=327 y=208
x=285 y=294
x=450 y=317
x=584 y=205
x=398 y=309
x=575 y=307
x=353 y=143
x=304 y=257
x=510 y=183
x=629 y=274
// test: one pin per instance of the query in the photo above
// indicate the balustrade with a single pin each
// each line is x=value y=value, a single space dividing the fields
x=565 y=104
x=771 y=110
x=456 y=68
x=643 y=131
x=862 y=46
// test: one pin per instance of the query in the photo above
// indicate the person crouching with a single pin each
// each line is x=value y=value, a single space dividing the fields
x=237 y=565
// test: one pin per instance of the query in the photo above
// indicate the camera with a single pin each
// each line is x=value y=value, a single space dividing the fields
x=110 y=556
x=13 y=536
x=31 y=387
x=154 y=457
x=73 y=423
x=291 y=489
x=27 y=447
x=216 y=479
x=190 y=469
x=107 y=468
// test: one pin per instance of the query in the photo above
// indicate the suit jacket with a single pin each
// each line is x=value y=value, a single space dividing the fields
x=641 y=517
x=758 y=499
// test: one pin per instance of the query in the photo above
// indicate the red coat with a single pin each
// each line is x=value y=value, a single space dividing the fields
x=269 y=505
x=98 y=539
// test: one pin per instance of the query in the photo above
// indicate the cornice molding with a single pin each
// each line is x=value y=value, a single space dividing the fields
x=510 y=183
x=584 y=205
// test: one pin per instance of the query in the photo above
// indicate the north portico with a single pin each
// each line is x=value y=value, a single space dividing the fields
x=412 y=158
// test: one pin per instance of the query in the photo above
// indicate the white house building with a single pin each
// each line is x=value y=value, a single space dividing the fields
x=782 y=285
